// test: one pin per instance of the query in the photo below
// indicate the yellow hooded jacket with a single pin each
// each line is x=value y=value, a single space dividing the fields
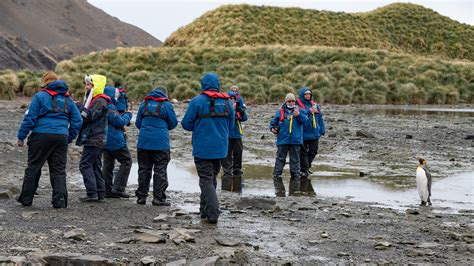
x=99 y=84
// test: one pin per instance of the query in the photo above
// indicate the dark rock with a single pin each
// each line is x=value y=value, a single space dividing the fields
x=262 y=137
x=409 y=136
x=364 y=134
x=256 y=203
x=382 y=245
x=362 y=174
x=412 y=211
x=469 y=137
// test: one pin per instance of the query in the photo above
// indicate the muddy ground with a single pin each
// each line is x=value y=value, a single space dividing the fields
x=254 y=229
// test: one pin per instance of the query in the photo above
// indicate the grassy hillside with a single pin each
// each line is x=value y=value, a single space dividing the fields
x=405 y=28
x=266 y=74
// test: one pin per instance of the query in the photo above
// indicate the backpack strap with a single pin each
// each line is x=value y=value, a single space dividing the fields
x=56 y=109
x=282 y=114
x=301 y=104
x=212 y=113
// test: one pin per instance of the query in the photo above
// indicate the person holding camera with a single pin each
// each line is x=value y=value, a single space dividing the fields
x=232 y=164
x=312 y=131
x=287 y=124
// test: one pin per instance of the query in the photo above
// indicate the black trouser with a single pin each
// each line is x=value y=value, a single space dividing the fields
x=232 y=166
x=91 y=170
x=309 y=149
x=157 y=162
x=207 y=170
x=280 y=162
x=119 y=182
x=41 y=148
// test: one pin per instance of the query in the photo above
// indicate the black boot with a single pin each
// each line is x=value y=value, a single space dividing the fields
x=294 y=188
x=237 y=183
x=279 y=187
x=304 y=183
x=226 y=182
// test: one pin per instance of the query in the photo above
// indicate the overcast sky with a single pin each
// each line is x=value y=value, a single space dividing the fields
x=161 y=17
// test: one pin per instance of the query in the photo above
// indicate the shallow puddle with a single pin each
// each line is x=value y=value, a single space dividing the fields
x=450 y=194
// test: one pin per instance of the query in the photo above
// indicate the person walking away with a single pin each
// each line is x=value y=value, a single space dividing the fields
x=209 y=116
x=54 y=122
x=287 y=124
x=155 y=118
x=93 y=136
x=116 y=149
x=312 y=131
x=232 y=164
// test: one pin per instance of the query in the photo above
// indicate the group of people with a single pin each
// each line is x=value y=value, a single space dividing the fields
x=215 y=119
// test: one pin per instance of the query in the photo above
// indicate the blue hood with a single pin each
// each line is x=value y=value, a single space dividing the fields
x=58 y=86
x=301 y=94
x=158 y=92
x=232 y=94
x=210 y=81
x=110 y=91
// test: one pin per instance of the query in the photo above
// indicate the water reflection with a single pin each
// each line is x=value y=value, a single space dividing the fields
x=450 y=194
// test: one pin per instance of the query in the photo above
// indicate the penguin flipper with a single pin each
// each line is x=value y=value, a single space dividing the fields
x=428 y=176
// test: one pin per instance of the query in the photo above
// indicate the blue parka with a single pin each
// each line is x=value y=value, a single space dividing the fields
x=313 y=129
x=240 y=116
x=41 y=118
x=210 y=135
x=116 y=122
x=154 y=129
x=287 y=135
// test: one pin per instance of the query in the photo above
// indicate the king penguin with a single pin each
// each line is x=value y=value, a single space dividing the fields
x=423 y=182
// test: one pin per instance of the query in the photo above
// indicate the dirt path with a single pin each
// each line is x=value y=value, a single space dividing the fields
x=252 y=230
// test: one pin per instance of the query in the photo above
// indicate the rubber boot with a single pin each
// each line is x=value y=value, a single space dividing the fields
x=279 y=187
x=226 y=182
x=304 y=183
x=237 y=183
x=294 y=188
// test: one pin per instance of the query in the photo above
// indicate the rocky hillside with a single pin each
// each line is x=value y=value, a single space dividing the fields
x=397 y=27
x=36 y=34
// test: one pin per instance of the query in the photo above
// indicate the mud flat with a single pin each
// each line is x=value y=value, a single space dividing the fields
x=255 y=227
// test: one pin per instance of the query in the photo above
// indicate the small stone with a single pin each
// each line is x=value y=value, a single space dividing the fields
x=22 y=249
x=382 y=245
x=342 y=254
x=76 y=234
x=161 y=218
x=180 y=213
x=324 y=235
x=408 y=136
x=153 y=239
x=210 y=261
x=345 y=214
x=362 y=174
x=412 y=211
x=2 y=211
x=176 y=263
x=147 y=260
x=469 y=137
x=226 y=242
x=364 y=134
x=314 y=242
x=428 y=245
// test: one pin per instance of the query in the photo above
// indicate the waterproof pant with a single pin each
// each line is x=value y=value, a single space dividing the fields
x=41 y=148
x=207 y=170
x=280 y=161
x=116 y=181
x=309 y=150
x=232 y=166
x=90 y=167
x=157 y=162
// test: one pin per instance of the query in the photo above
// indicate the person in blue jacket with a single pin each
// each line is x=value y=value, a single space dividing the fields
x=54 y=121
x=232 y=164
x=116 y=149
x=155 y=118
x=287 y=124
x=312 y=131
x=209 y=116
x=122 y=101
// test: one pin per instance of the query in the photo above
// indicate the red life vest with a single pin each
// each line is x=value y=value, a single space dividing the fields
x=212 y=113
x=122 y=90
x=107 y=98
x=54 y=102
x=156 y=113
